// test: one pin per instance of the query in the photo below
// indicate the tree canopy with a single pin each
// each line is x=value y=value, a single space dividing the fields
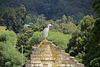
x=80 y=37
x=54 y=9
x=92 y=57
x=9 y=56
x=13 y=19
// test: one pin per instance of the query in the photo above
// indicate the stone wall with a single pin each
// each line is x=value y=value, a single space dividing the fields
x=46 y=54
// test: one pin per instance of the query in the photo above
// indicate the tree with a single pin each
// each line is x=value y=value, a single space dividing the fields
x=92 y=57
x=2 y=12
x=54 y=9
x=55 y=27
x=23 y=40
x=14 y=19
x=80 y=38
x=63 y=27
x=40 y=20
x=9 y=56
x=68 y=28
x=71 y=28
x=96 y=6
x=33 y=28
x=64 y=19
x=70 y=19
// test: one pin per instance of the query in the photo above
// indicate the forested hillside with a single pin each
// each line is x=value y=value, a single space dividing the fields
x=76 y=29
x=54 y=9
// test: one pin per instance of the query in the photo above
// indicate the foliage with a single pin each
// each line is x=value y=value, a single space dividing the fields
x=93 y=47
x=64 y=19
x=9 y=56
x=92 y=57
x=80 y=38
x=8 y=36
x=64 y=14
x=14 y=19
x=54 y=9
x=57 y=38
x=23 y=40
x=68 y=28
x=55 y=27
x=96 y=6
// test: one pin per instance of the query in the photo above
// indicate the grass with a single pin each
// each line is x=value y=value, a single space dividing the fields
x=2 y=27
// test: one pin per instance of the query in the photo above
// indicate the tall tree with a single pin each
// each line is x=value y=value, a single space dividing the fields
x=80 y=37
x=92 y=57
x=23 y=41
x=14 y=19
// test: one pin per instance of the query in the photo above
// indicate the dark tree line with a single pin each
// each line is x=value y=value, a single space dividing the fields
x=54 y=9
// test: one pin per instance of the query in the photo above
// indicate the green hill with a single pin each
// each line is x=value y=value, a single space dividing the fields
x=54 y=9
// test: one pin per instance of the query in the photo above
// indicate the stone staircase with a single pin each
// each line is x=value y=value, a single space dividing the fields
x=46 y=54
